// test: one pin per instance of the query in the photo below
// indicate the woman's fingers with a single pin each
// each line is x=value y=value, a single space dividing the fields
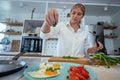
x=52 y=17
x=48 y=22
x=100 y=45
x=55 y=15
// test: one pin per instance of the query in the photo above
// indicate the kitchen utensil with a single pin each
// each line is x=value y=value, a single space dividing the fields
x=11 y=66
x=81 y=60
x=15 y=45
x=91 y=59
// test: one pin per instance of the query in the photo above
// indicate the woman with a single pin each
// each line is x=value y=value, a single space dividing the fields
x=72 y=39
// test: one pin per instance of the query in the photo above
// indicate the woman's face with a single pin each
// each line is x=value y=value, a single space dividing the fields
x=76 y=15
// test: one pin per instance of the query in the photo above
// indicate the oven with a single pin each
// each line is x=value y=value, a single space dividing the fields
x=31 y=44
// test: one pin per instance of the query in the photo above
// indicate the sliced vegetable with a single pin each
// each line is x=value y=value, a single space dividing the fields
x=69 y=57
x=78 y=73
x=51 y=72
x=107 y=59
x=55 y=24
x=56 y=65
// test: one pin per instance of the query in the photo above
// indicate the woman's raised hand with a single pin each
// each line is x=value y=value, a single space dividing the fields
x=51 y=17
x=99 y=46
x=95 y=47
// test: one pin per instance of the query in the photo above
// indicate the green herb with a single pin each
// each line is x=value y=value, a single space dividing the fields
x=67 y=76
x=55 y=24
x=56 y=68
x=107 y=59
x=45 y=64
x=68 y=71
x=52 y=69
x=69 y=57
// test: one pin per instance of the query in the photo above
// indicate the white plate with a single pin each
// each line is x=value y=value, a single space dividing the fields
x=39 y=74
x=63 y=72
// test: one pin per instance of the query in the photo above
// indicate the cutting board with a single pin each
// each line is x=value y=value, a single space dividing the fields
x=81 y=60
x=15 y=45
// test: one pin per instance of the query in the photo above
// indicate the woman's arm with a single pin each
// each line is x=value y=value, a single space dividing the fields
x=45 y=28
x=50 y=20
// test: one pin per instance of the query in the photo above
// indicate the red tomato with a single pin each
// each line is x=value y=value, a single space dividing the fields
x=80 y=77
x=85 y=73
x=78 y=73
x=76 y=76
x=73 y=76
x=75 y=69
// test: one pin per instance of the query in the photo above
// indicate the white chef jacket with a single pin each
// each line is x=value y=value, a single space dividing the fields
x=70 y=43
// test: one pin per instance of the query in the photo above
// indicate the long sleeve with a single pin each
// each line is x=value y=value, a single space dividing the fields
x=53 y=32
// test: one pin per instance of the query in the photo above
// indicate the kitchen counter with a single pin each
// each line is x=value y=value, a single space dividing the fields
x=103 y=73
x=107 y=74
x=29 y=61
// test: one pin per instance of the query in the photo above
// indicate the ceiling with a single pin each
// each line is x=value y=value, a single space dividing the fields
x=93 y=7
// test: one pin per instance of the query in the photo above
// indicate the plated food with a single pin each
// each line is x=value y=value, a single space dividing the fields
x=60 y=74
x=45 y=70
x=70 y=57
x=78 y=73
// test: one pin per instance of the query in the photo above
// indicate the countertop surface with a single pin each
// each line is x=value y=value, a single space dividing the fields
x=113 y=73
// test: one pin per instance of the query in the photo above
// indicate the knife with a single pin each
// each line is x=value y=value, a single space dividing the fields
x=91 y=59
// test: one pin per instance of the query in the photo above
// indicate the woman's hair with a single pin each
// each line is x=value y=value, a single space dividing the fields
x=78 y=5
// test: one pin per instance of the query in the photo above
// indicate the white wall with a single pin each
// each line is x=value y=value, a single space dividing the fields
x=95 y=19
x=26 y=16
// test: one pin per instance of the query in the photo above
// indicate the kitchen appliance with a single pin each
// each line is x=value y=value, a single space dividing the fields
x=31 y=44
x=96 y=34
x=11 y=66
